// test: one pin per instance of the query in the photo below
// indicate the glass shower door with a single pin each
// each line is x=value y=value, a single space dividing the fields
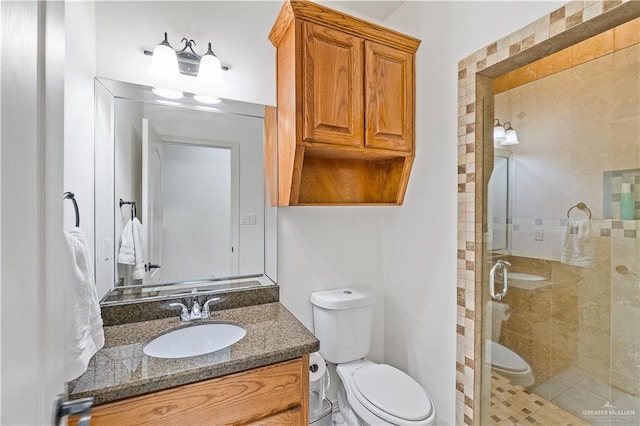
x=563 y=344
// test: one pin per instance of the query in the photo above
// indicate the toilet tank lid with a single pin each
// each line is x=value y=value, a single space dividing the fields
x=344 y=298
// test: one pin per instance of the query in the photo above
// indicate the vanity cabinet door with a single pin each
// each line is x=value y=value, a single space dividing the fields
x=271 y=395
x=332 y=67
x=293 y=416
x=389 y=91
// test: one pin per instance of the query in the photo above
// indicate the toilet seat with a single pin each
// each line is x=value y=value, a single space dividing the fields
x=408 y=403
x=391 y=394
x=506 y=359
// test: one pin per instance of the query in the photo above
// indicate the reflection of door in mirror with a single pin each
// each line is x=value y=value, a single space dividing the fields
x=200 y=199
x=185 y=177
x=498 y=211
x=189 y=200
x=152 y=211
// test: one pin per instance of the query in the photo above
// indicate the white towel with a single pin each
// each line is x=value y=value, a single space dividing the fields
x=138 y=244
x=578 y=247
x=127 y=252
x=84 y=335
x=132 y=248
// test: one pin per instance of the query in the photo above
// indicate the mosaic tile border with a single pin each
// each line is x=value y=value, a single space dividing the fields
x=574 y=22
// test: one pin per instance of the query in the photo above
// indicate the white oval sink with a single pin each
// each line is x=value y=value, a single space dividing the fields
x=195 y=340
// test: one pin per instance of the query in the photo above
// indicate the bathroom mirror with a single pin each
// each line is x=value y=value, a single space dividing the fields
x=498 y=205
x=180 y=195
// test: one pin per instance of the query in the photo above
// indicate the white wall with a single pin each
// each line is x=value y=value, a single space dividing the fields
x=420 y=237
x=80 y=69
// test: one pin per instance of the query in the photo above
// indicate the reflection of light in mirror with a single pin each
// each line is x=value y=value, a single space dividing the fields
x=167 y=93
x=211 y=100
x=168 y=103
x=204 y=108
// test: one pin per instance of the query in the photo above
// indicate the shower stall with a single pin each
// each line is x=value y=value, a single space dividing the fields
x=561 y=291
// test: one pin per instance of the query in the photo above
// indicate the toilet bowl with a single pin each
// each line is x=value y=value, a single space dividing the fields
x=509 y=364
x=368 y=393
x=502 y=359
x=376 y=394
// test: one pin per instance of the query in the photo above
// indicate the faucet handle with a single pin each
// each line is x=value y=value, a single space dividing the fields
x=206 y=312
x=184 y=315
x=195 y=310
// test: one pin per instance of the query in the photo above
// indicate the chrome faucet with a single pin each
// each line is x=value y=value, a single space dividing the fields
x=206 y=313
x=184 y=315
x=196 y=312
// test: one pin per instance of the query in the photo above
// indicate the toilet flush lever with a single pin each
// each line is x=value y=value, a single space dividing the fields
x=500 y=264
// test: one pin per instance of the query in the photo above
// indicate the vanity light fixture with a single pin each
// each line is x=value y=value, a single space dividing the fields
x=504 y=134
x=167 y=65
x=511 y=135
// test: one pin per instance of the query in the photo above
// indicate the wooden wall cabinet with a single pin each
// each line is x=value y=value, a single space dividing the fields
x=346 y=107
x=273 y=395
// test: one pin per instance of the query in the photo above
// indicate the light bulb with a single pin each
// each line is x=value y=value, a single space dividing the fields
x=210 y=78
x=498 y=132
x=164 y=63
x=511 y=137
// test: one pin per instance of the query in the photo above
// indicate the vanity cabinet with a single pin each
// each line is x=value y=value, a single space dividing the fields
x=271 y=395
x=346 y=107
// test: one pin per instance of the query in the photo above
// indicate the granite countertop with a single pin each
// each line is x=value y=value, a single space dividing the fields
x=122 y=370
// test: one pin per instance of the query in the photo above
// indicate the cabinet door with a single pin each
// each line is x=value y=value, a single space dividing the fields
x=389 y=92
x=291 y=417
x=333 y=84
x=234 y=399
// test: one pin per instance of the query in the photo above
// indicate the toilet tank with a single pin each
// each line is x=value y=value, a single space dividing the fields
x=342 y=321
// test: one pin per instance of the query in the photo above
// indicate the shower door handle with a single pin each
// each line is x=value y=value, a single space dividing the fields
x=502 y=265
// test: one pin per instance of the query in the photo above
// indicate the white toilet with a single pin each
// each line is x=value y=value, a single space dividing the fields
x=503 y=360
x=369 y=393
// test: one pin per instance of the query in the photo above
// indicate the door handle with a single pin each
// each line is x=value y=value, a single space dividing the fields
x=502 y=265
x=149 y=266
x=80 y=407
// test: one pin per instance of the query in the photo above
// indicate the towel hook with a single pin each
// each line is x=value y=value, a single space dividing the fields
x=71 y=196
x=580 y=206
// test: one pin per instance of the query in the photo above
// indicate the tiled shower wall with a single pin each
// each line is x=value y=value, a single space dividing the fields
x=579 y=132
x=586 y=318
x=562 y=28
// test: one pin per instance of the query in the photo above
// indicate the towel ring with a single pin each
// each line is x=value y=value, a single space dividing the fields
x=580 y=206
x=134 y=210
x=71 y=196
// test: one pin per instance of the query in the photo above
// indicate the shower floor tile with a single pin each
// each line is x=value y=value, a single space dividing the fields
x=590 y=399
x=515 y=405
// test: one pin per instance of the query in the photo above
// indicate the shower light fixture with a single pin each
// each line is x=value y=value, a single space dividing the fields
x=504 y=134
x=167 y=65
